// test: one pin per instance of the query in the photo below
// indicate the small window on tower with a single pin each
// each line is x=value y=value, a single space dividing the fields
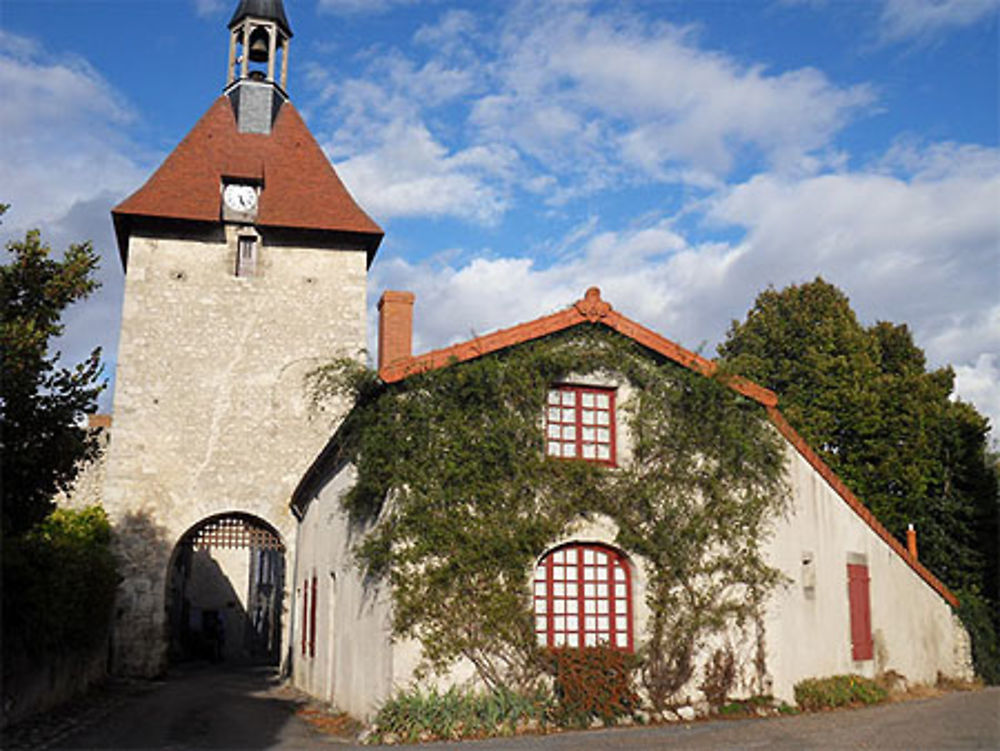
x=246 y=255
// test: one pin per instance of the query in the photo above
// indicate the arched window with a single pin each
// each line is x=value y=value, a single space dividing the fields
x=583 y=597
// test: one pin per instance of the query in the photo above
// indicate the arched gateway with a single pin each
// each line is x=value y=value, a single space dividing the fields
x=246 y=266
x=225 y=591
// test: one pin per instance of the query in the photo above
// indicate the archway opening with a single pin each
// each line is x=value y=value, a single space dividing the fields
x=225 y=592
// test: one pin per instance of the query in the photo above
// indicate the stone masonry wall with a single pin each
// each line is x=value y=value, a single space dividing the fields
x=210 y=412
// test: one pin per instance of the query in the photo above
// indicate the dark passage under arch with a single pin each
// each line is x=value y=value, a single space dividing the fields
x=225 y=591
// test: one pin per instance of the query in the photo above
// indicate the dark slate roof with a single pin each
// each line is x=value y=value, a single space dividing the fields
x=271 y=10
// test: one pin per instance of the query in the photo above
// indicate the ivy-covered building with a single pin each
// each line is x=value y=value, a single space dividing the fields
x=580 y=480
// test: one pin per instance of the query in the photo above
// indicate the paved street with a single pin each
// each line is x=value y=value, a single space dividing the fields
x=206 y=708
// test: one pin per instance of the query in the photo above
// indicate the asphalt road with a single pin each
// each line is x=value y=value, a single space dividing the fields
x=206 y=708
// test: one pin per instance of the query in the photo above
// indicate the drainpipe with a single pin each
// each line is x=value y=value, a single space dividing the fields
x=911 y=541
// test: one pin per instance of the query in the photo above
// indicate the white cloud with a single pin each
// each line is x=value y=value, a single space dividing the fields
x=979 y=383
x=209 y=8
x=63 y=133
x=923 y=249
x=65 y=159
x=920 y=19
x=361 y=6
x=408 y=173
x=582 y=88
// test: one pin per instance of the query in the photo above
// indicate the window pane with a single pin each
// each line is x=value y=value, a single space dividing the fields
x=543 y=639
x=540 y=605
x=621 y=640
x=569 y=449
x=588 y=451
x=586 y=399
x=571 y=589
x=572 y=622
x=571 y=572
x=573 y=640
x=554 y=413
x=569 y=433
x=587 y=417
x=571 y=556
x=572 y=606
x=602 y=401
x=590 y=640
x=603 y=435
x=555 y=449
x=553 y=431
x=553 y=397
x=602 y=418
x=568 y=415
x=568 y=398
x=560 y=638
x=603 y=452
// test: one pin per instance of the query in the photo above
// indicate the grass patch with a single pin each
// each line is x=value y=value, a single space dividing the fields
x=416 y=716
x=838 y=691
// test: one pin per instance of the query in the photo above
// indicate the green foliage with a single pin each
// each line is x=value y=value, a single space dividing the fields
x=837 y=691
x=41 y=443
x=417 y=716
x=59 y=584
x=593 y=683
x=458 y=500
x=888 y=426
x=978 y=613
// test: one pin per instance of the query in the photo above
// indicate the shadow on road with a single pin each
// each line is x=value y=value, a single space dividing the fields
x=198 y=705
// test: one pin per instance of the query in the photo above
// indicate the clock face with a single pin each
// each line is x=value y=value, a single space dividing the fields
x=240 y=197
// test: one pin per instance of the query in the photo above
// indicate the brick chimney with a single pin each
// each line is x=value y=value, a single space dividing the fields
x=911 y=541
x=395 y=327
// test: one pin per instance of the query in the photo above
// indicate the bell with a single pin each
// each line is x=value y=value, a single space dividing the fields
x=259 y=47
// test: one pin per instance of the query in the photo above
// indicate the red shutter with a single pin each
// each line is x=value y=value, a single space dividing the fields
x=861 y=617
x=312 y=620
x=305 y=612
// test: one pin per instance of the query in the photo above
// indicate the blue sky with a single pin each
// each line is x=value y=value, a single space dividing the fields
x=680 y=155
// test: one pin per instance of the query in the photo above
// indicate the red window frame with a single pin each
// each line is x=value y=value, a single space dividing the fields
x=582 y=596
x=305 y=614
x=312 y=619
x=573 y=420
x=859 y=599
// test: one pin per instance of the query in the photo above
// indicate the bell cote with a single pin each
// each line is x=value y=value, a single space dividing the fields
x=257 y=72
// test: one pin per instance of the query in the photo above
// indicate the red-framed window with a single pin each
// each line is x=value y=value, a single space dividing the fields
x=580 y=423
x=305 y=614
x=583 y=597
x=862 y=647
x=312 y=619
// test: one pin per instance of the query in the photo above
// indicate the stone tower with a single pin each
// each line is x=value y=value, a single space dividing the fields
x=246 y=263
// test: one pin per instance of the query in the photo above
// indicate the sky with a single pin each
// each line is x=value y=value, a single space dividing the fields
x=681 y=155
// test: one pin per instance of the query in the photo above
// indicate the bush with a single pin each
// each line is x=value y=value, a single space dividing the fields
x=59 y=584
x=593 y=682
x=417 y=716
x=838 y=691
x=979 y=616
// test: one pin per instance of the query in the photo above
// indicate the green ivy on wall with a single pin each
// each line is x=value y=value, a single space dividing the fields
x=458 y=500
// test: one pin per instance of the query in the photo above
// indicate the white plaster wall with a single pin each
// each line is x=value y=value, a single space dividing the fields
x=353 y=665
x=210 y=410
x=914 y=630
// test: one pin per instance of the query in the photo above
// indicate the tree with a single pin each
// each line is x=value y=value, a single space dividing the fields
x=42 y=442
x=888 y=426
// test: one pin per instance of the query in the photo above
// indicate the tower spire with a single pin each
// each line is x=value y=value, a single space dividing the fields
x=259 y=32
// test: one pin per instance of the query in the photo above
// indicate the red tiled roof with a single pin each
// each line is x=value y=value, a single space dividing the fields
x=592 y=309
x=300 y=188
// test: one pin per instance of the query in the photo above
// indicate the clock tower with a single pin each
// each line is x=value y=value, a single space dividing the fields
x=246 y=264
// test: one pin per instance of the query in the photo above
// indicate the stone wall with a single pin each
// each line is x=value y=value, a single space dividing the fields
x=211 y=414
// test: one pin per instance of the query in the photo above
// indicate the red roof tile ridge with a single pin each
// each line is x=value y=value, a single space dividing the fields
x=837 y=485
x=592 y=308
